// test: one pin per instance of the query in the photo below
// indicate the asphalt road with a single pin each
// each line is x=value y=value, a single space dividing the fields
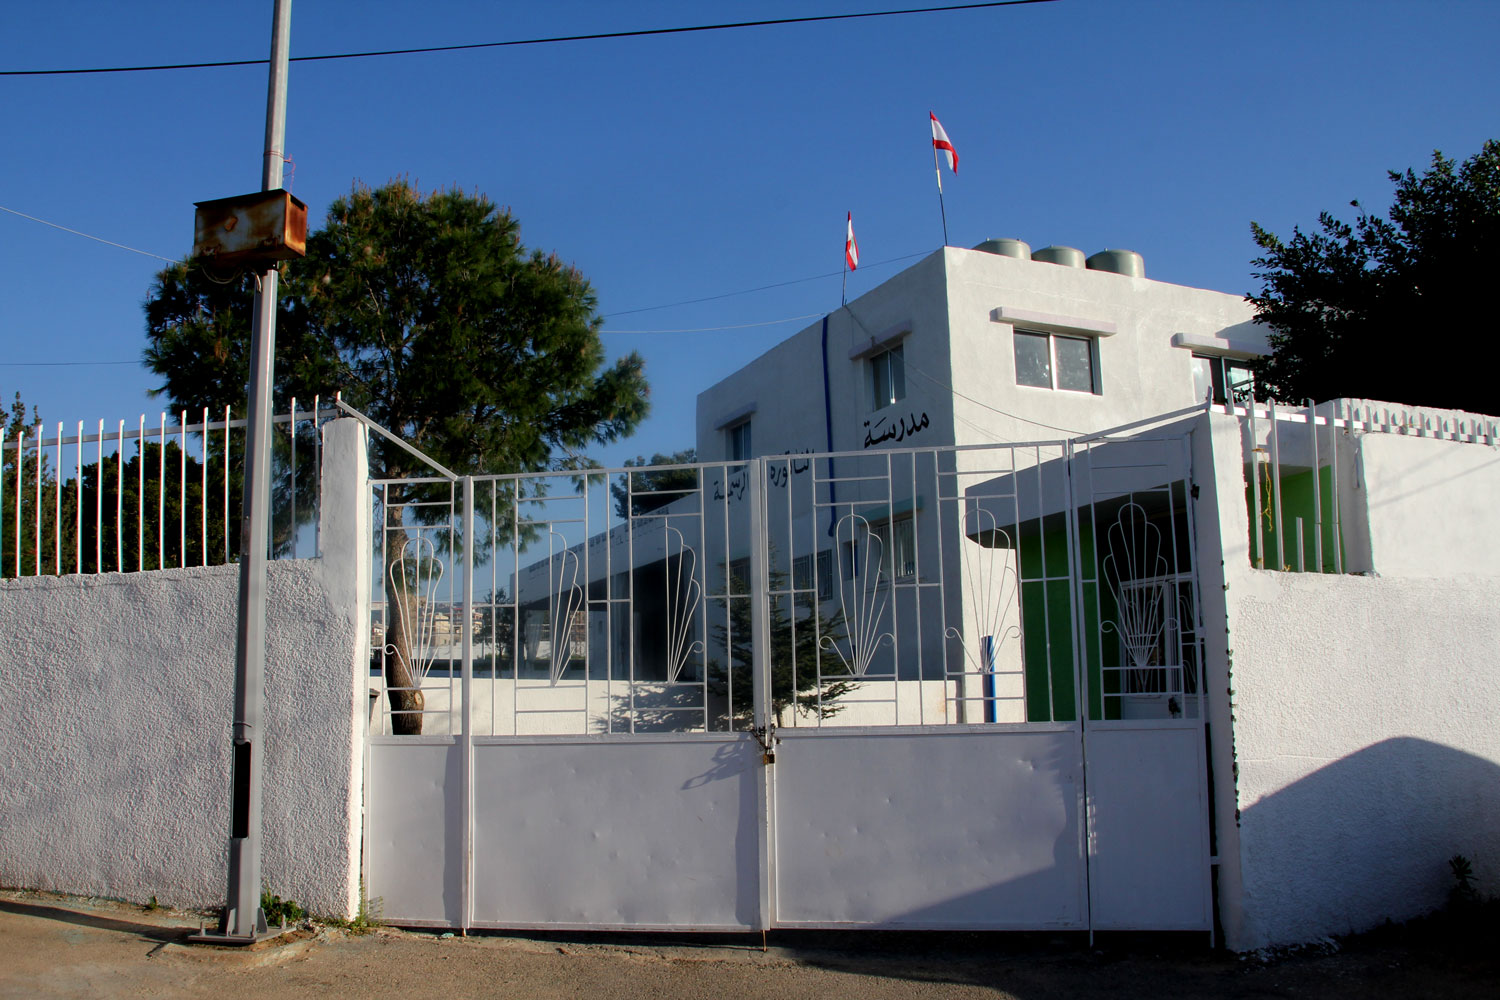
x=54 y=946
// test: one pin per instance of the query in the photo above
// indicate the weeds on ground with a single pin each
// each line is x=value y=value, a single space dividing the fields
x=366 y=915
x=278 y=910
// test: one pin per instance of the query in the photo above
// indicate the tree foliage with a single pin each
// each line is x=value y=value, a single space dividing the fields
x=799 y=677
x=1383 y=308
x=428 y=314
x=653 y=489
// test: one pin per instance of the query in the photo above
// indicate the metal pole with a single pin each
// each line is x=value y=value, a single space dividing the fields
x=243 y=918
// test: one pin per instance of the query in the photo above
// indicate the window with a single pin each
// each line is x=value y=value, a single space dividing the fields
x=737 y=442
x=1223 y=379
x=1052 y=361
x=897 y=543
x=802 y=574
x=887 y=378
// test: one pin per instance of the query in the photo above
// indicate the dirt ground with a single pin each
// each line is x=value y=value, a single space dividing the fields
x=58 y=946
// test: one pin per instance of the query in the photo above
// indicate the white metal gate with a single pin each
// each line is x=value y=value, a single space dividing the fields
x=951 y=688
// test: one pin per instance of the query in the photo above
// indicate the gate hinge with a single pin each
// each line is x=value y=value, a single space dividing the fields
x=767 y=738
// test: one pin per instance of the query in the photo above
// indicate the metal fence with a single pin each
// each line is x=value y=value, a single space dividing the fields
x=981 y=585
x=155 y=495
x=1300 y=469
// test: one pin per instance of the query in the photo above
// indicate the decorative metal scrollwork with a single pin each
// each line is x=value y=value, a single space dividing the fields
x=990 y=590
x=1135 y=558
x=684 y=594
x=413 y=583
x=861 y=600
x=564 y=599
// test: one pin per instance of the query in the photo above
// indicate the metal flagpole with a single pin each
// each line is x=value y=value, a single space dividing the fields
x=243 y=919
x=938 y=170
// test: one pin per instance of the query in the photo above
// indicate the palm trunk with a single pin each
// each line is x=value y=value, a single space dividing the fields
x=401 y=683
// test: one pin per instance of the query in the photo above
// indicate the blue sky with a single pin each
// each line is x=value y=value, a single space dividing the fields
x=696 y=165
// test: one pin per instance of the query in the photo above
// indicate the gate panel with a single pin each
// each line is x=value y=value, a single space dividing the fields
x=414 y=832
x=965 y=829
x=1148 y=841
x=650 y=833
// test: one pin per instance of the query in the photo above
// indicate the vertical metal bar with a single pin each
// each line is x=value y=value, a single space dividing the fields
x=140 y=498
x=36 y=566
x=120 y=500
x=3 y=445
x=20 y=492
x=226 y=484
x=1301 y=565
x=292 y=428
x=99 y=505
x=466 y=714
x=318 y=478
x=161 y=494
x=1253 y=456
x=1073 y=530
x=78 y=503
x=57 y=488
x=1275 y=487
x=1333 y=463
x=182 y=490
x=203 y=495
x=760 y=680
x=1312 y=427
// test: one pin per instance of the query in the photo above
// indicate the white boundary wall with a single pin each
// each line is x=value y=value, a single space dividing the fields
x=115 y=721
x=1364 y=707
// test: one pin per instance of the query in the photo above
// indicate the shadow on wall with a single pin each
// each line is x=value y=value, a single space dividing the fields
x=1367 y=838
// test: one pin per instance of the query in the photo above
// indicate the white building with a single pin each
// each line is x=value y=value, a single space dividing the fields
x=982 y=346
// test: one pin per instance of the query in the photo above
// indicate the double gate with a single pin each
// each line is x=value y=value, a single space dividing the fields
x=951 y=688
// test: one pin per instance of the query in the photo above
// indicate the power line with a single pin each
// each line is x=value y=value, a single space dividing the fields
x=60 y=364
x=531 y=41
x=96 y=239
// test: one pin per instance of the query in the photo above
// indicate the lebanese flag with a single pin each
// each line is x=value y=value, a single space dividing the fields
x=940 y=141
x=851 y=248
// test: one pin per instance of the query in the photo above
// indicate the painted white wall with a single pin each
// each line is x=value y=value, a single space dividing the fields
x=1363 y=713
x=119 y=692
x=1431 y=505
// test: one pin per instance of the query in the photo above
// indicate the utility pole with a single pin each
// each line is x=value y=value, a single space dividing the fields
x=243 y=920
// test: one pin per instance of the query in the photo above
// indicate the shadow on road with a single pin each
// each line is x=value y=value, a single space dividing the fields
x=148 y=932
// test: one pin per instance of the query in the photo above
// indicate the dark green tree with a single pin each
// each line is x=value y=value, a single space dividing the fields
x=427 y=313
x=797 y=625
x=1381 y=308
x=652 y=490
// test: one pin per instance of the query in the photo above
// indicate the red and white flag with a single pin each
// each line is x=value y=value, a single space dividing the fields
x=940 y=141
x=851 y=248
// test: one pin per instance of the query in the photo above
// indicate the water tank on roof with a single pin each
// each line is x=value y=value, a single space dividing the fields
x=1066 y=256
x=1126 y=262
x=1006 y=248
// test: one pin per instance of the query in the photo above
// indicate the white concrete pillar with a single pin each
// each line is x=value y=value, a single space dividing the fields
x=345 y=540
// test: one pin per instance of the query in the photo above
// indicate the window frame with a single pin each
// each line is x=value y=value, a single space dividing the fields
x=738 y=437
x=1051 y=338
x=1222 y=389
x=880 y=364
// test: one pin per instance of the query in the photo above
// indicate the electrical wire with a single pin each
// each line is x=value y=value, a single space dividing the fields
x=993 y=409
x=532 y=41
x=60 y=364
x=96 y=239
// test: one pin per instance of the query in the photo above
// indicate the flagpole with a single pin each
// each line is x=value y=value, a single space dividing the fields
x=938 y=171
x=844 y=288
